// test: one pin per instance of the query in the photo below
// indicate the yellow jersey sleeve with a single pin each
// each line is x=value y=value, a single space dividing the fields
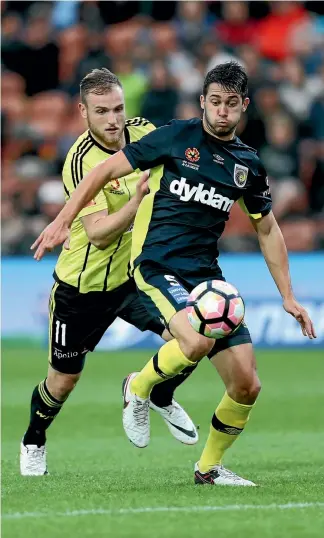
x=74 y=170
x=139 y=127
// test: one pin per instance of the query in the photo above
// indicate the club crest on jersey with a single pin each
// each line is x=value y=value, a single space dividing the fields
x=192 y=155
x=240 y=175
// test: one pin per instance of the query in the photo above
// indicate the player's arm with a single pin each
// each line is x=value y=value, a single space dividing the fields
x=148 y=152
x=257 y=203
x=103 y=229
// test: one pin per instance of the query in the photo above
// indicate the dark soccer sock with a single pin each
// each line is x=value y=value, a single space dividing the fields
x=43 y=410
x=162 y=394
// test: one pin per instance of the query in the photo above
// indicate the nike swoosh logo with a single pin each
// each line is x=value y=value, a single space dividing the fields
x=124 y=387
x=190 y=433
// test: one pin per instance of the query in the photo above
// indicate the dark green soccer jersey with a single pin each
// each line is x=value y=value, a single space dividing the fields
x=194 y=184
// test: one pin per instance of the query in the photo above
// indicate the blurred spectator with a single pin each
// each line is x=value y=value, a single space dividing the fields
x=280 y=158
x=36 y=59
x=216 y=54
x=264 y=104
x=236 y=28
x=298 y=92
x=316 y=119
x=73 y=43
x=275 y=29
x=65 y=13
x=11 y=27
x=51 y=198
x=94 y=57
x=13 y=227
x=187 y=110
x=134 y=84
x=161 y=98
x=192 y=24
x=254 y=66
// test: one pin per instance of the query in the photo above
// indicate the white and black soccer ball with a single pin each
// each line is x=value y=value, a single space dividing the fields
x=215 y=309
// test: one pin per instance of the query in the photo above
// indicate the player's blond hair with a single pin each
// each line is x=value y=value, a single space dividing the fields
x=98 y=81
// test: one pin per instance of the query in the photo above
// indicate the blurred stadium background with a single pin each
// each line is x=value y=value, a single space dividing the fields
x=161 y=52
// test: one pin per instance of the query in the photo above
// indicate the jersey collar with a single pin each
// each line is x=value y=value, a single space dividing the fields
x=109 y=151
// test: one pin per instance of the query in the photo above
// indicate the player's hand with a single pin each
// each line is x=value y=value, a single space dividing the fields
x=66 y=243
x=56 y=233
x=300 y=314
x=142 y=187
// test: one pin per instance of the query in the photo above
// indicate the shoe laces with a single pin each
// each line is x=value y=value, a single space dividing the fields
x=141 y=409
x=173 y=408
x=35 y=457
x=226 y=472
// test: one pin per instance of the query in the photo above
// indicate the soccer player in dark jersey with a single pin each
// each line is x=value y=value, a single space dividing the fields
x=93 y=283
x=200 y=170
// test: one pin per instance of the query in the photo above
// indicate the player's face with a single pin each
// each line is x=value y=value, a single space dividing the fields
x=105 y=115
x=222 y=111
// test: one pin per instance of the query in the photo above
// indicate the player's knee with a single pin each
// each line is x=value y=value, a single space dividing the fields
x=195 y=347
x=246 y=390
x=61 y=385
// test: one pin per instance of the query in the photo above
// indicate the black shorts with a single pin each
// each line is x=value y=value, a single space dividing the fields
x=77 y=321
x=164 y=294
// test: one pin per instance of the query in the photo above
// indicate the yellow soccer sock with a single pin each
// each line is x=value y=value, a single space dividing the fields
x=168 y=362
x=227 y=423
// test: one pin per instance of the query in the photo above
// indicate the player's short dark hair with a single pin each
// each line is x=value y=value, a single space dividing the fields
x=231 y=76
x=98 y=81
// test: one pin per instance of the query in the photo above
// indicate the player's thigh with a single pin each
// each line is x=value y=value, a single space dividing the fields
x=194 y=345
x=165 y=297
x=135 y=313
x=75 y=327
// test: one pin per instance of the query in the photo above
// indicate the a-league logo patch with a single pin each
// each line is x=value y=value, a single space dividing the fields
x=114 y=187
x=240 y=175
x=114 y=184
x=192 y=154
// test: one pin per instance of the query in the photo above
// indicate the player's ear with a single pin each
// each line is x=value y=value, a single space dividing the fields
x=83 y=110
x=202 y=102
x=246 y=103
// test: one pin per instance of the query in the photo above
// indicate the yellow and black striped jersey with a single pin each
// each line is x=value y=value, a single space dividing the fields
x=83 y=265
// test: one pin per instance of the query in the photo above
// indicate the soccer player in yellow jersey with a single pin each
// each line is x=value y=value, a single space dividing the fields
x=93 y=281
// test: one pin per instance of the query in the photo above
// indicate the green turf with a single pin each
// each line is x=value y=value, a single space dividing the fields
x=93 y=466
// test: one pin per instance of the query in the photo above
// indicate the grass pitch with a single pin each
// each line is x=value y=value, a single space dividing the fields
x=102 y=486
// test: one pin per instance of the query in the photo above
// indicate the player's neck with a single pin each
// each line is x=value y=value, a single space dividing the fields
x=120 y=144
x=225 y=138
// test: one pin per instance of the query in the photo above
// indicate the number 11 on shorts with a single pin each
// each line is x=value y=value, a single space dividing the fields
x=61 y=326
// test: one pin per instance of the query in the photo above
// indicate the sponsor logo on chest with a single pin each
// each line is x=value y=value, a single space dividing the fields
x=200 y=193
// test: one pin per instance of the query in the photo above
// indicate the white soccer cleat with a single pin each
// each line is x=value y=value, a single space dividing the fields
x=178 y=421
x=219 y=476
x=136 y=417
x=32 y=460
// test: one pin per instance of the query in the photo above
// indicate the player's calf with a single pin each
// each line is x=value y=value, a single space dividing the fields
x=61 y=385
